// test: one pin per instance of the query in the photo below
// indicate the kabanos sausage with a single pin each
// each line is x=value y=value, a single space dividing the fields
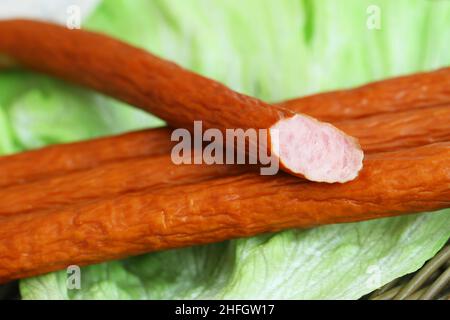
x=302 y=145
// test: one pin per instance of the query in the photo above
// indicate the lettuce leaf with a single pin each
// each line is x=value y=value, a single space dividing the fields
x=274 y=50
x=39 y=111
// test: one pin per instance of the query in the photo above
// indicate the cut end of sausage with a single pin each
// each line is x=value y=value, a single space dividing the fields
x=316 y=150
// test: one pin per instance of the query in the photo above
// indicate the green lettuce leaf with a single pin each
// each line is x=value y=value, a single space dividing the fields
x=6 y=139
x=274 y=50
x=37 y=111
